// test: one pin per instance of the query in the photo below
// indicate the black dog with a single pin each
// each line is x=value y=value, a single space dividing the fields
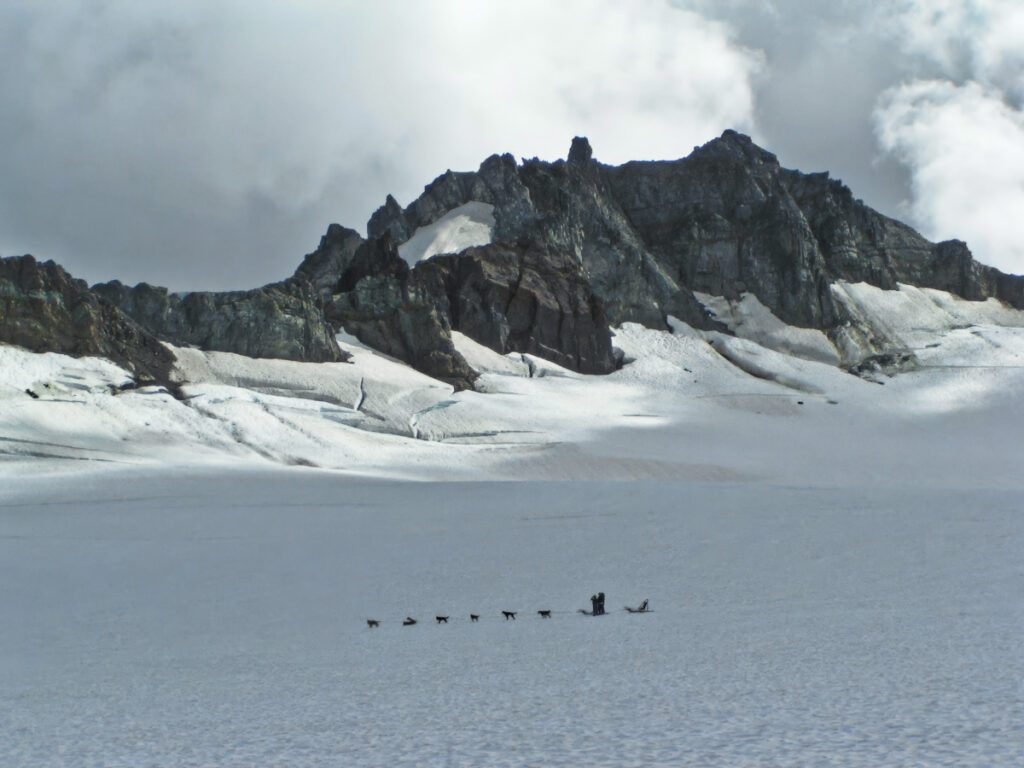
x=409 y=621
x=441 y=619
x=474 y=617
x=371 y=623
x=509 y=615
x=545 y=614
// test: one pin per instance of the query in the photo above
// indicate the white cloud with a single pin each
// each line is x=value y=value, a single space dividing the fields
x=959 y=126
x=966 y=148
x=979 y=40
x=218 y=139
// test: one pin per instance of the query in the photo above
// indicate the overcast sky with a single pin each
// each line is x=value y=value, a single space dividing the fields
x=202 y=144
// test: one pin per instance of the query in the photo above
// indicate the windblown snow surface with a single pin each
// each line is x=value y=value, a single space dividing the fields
x=834 y=563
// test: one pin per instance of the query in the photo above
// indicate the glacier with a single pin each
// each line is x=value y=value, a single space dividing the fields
x=833 y=560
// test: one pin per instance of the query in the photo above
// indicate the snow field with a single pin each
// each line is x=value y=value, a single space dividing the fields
x=687 y=404
x=218 y=618
x=834 y=563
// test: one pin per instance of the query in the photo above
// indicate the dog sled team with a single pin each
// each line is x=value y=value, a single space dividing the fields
x=596 y=609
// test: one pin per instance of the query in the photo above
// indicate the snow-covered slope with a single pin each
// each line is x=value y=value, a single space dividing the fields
x=685 y=404
x=749 y=319
x=910 y=319
x=218 y=619
x=833 y=562
x=468 y=225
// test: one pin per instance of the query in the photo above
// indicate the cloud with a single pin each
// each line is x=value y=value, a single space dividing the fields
x=208 y=144
x=966 y=148
x=200 y=144
x=825 y=64
x=960 y=127
x=976 y=40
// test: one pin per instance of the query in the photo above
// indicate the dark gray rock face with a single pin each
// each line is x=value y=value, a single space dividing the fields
x=522 y=297
x=324 y=267
x=720 y=222
x=44 y=309
x=576 y=246
x=511 y=297
x=283 y=320
x=728 y=219
x=568 y=208
x=497 y=182
x=859 y=244
x=580 y=152
x=724 y=220
x=376 y=300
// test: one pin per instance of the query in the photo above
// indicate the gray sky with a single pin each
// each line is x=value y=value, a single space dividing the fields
x=208 y=145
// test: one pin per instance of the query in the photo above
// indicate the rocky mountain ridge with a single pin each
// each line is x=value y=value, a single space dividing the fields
x=645 y=237
x=572 y=247
x=44 y=309
x=281 y=320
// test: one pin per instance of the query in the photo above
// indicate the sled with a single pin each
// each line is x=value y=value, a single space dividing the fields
x=642 y=608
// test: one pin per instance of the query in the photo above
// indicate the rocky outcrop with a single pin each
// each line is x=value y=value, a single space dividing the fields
x=860 y=244
x=728 y=218
x=522 y=297
x=574 y=246
x=578 y=245
x=366 y=291
x=283 y=320
x=44 y=309
x=721 y=222
x=568 y=208
x=376 y=300
x=724 y=220
x=497 y=182
x=323 y=268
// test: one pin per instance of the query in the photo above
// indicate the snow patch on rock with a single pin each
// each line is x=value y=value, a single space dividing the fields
x=485 y=360
x=909 y=319
x=469 y=225
x=764 y=363
x=749 y=319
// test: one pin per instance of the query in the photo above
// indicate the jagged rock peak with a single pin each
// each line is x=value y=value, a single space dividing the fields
x=336 y=233
x=736 y=146
x=580 y=152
